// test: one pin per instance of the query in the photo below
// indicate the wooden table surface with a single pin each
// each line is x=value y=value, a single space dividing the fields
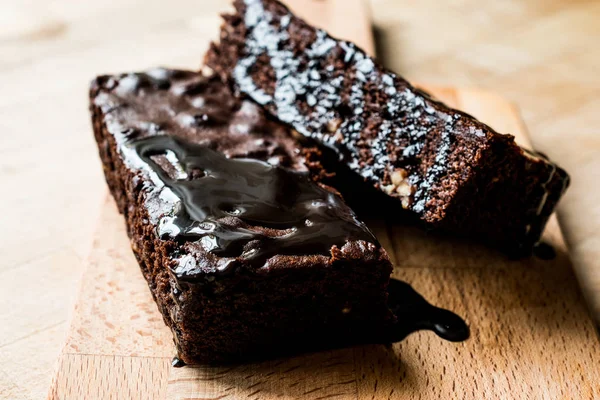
x=541 y=54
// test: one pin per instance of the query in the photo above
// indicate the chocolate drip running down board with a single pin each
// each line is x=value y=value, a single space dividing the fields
x=529 y=326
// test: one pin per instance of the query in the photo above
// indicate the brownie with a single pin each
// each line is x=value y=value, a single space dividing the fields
x=246 y=254
x=444 y=167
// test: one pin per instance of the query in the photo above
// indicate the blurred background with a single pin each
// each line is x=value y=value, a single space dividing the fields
x=541 y=54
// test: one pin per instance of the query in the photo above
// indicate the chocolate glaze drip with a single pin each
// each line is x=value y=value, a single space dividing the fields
x=217 y=193
x=414 y=313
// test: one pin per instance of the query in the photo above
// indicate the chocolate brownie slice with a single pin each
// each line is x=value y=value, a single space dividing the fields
x=245 y=254
x=444 y=166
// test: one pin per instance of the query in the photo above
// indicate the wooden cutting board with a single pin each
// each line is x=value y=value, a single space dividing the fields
x=531 y=335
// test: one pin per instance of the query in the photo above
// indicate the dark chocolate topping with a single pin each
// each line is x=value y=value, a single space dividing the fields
x=199 y=111
x=414 y=313
x=216 y=192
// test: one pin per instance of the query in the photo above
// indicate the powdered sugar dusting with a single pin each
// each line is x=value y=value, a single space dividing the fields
x=422 y=195
x=408 y=117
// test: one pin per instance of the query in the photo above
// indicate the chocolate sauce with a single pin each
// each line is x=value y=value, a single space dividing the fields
x=225 y=200
x=414 y=313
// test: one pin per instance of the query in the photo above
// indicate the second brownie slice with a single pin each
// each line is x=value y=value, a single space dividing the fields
x=445 y=167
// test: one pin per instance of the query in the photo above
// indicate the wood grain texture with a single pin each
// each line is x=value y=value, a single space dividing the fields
x=120 y=319
x=531 y=333
x=110 y=377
